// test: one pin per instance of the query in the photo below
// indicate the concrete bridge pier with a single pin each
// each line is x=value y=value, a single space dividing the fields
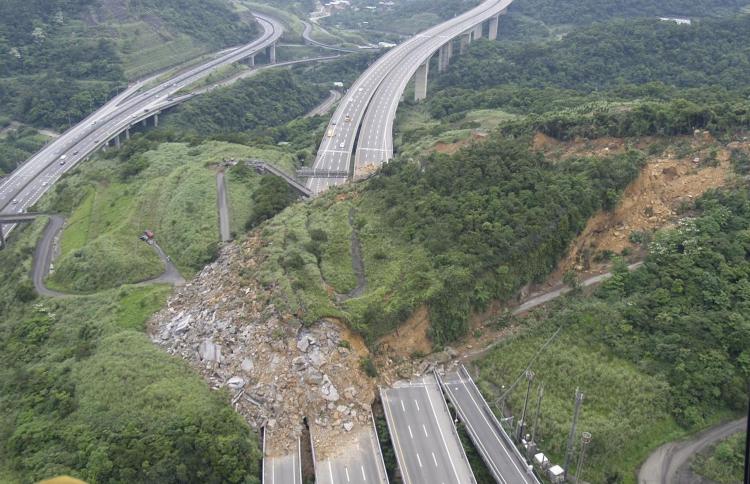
x=251 y=60
x=420 y=81
x=272 y=54
x=465 y=41
x=494 y=23
x=2 y=238
x=477 y=32
x=444 y=56
x=117 y=141
x=156 y=120
x=127 y=133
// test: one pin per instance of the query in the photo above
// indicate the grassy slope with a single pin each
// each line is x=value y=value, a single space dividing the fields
x=723 y=463
x=175 y=196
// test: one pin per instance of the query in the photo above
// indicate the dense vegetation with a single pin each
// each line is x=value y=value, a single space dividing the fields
x=678 y=325
x=577 y=12
x=16 y=145
x=402 y=18
x=267 y=100
x=722 y=464
x=493 y=218
x=84 y=392
x=604 y=56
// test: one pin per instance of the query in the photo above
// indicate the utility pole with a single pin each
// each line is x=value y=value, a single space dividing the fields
x=535 y=430
x=522 y=422
x=571 y=437
x=585 y=441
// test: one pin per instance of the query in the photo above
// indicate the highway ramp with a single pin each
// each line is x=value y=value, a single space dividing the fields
x=503 y=461
x=426 y=442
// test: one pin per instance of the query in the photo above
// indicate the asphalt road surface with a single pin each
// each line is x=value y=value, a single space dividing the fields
x=360 y=463
x=396 y=66
x=662 y=465
x=500 y=456
x=286 y=469
x=375 y=145
x=427 y=446
x=26 y=185
x=325 y=106
x=43 y=256
x=223 y=205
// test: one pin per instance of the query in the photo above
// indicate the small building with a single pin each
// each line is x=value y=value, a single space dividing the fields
x=541 y=461
x=556 y=474
x=149 y=234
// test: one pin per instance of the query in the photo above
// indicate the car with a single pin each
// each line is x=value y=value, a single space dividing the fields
x=15 y=201
x=75 y=152
x=360 y=89
x=145 y=110
x=348 y=118
x=342 y=145
x=333 y=123
x=62 y=162
x=44 y=184
x=20 y=210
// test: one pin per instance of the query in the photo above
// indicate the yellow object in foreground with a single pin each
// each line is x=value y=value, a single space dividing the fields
x=62 y=480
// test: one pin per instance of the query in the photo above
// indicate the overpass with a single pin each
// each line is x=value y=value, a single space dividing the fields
x=366 y=113
x=27 y=184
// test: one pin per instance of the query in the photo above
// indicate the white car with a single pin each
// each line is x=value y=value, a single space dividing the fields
x=44 y=184
x=342 y=145
x=15 y=201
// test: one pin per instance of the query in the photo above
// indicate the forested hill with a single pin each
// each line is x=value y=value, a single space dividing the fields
x=713 y=51
x=582 y=12
x=59 y=59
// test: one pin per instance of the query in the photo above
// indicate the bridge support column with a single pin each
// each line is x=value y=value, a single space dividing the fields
x=465 y=41
x=420 y=81
x=478 y=31
x=127 y=133
x=117 y=141
x=251 y=60
x=156 y=120
x=272 y=54
x=494 y=22
x=2 y=238
x=444 y=56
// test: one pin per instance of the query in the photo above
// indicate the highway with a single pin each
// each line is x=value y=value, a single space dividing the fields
x=427 y=446
x=499 y=454
x=375 y=145
x=286 y=469
x=359 y=463
x=375 y=95
x=26 y=185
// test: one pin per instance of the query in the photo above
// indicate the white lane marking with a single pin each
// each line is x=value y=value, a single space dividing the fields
x=440 y=430
x=434 y=459
x=330 y=471
x=410 y=434
x=399 y=452
x=417 y=404
x=419 y=460
x=273 y=471
x=364 y=476
x=425 y=430
x=346 y=469
x=402 y=406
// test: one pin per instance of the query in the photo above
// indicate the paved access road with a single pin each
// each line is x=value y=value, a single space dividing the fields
x=359 y=463
x=426 y=442
x=26 y=185
x=286 y=469
x=375 y=145
x=502 y=459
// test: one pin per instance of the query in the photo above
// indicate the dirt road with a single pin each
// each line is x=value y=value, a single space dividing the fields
x=223 y=204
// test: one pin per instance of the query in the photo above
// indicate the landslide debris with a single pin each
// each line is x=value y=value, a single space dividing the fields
x=277 y=371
